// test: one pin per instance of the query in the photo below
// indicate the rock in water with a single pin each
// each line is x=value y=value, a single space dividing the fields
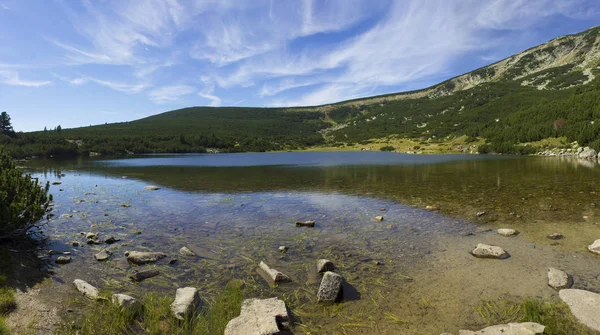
x=378 y=218
x=584 y=305
x=330 y=290
x=63 y=260
x=595 y=247
x=87 y=289
x=555 y=236
x=103 y=255
x=587 y=153
x=187 y=302
x=112 y=240
x=138 y=276
x=480 y=214
x=152 y=188
x=489 y=251
x=185 y=251
x=558 y=279
x=260 y=317
x=126 y=302
x=309 y=223
x=525 y=328
x=141 y=257
x=275 y=276
x=283 y=249
x=507 y=232
x=324 y=265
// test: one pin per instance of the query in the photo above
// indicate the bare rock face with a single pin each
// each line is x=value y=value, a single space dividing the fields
x=330 y=290
x=86 y=289
x=507 y=232
x=324 y=265
x=558 y=279
x=126 y=302
x=489 y=251
x=187 y=302
x=525 y=328
x=595 y=247
x=275 y=276
x=584 y=305
x=260 y=317
x=141 y=257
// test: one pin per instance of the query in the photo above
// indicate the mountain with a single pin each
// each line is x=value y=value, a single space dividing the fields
x=548 y=91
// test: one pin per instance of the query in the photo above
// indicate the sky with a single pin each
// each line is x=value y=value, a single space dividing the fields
x=78 y=63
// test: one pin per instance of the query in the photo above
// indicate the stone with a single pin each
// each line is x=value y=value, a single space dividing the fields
x=86 y=289
x=275 y=276
x=480 y=214
x=595 y=247
x=309 y=223
x=330 y=290
x=587 y=153
x=63 y=260
x=91 y=236
x=126 y=302
x=584 y=305
x=378 y=218
x=56 y=183
x=152 y=188
x=260 y=317
x=103 y=255
x=525 y=328
x=432 y=208
x=139 y=276
x=112 y=240
x=187 y=302
x=142 y=257
x=508 y=232
x=558 y=279
x=489 y=251
x=185 y=251
x=75 y=243
x=283 y=249
x=324 y=265
x=555 y=236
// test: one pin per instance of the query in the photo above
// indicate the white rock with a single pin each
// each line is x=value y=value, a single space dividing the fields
x=142 y=257
x=378 y=218
x=331 y=288
x=507 y=232
x=588 y=153
x=86 y=289
x=274 y=275
x=187 y=302
x=185 y=251
x=489 y=251
x=152 y=188
x=525 y=328
x=558 y=279
x=595 y=247
x=584 y=305
x=126 y=302
x=260 y=317
x=324 y=265
x=283 y=249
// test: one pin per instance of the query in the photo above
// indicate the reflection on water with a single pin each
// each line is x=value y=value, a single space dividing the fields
x=235 y=210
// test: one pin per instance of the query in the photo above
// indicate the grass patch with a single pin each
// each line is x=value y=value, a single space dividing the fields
x=106 y=318
x=7 y=295
x=553 y=314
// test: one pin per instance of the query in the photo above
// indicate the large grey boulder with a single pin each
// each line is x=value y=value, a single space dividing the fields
x=489 y=251
x=86 y=289
x=142 y=257
x=275 y=276
x=324 y=265
x=187 y=302
x=330 y=290
x=588 y=153
x=584 y=305
x=595 y=247
x=558 y=279
x=126 y=302
x=525 y=328
x=260 y=317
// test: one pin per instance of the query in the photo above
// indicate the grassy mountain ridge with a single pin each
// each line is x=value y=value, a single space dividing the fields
x=546 y=91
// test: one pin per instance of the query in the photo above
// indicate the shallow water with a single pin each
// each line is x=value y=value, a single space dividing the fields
x=236 y=210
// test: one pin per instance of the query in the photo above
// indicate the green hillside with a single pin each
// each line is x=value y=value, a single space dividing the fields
x=547 y=91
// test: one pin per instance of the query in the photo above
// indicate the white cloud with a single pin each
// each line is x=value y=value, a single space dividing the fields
x=117 y=86
x=170 y=93
x=207 y=92
x=12 y=78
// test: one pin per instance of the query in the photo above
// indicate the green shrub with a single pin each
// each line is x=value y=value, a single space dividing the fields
x=23 y=200
x=387 y=148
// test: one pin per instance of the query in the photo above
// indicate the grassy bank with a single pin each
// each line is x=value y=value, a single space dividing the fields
x=7 y=297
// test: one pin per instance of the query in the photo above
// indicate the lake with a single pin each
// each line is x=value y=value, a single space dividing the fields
x=408 y=274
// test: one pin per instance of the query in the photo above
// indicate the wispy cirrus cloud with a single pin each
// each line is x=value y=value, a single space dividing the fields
x=13 y=78
x=170 y=93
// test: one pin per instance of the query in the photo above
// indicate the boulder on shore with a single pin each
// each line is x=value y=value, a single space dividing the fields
x=584 y=305
x=330 y=290
x=260 y=317
x=324 y=265
x=126 y=302
x=558 y=279
x=525 y=328
x=275 y=276
x=86 y=289
x=489 y=251
x=142 y=257
x=508 y=232
x=587 y=153
x=595 y=247
x=187 y=302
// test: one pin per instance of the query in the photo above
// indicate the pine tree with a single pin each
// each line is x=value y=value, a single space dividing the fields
x=5 y=125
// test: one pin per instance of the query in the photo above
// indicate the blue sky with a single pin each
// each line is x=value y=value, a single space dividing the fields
x=77 y=63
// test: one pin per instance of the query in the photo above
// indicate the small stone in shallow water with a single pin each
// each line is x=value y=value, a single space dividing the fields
x=75 y=243
x=63 y=260
x=480 y=214
x=558 y=279
x=555 y=236
x=141 y=257
x=275 y=276
x=324 y=265
x=308 y=223
x=378 y=218
x=330 y=290
x=86 y=289
x=432 y=208
x=595 y=247
x=103 y=255
x=152 y=188
x=173 y=261
x=489 y=251
x=507 y=232
x=112 y=240
x=139 y=276
x=282 y=249
x=185 y=251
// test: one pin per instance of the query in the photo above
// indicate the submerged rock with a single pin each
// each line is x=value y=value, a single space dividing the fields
x=308 y=223
x=138 y=276
x=378 y=218
x=489 y=251
x=555 y=236
x=152 y=188
x=86 y=289
x=324 y=265
x=185 y=251
x=507 y=232
x=126 y=302
x=330 y=290
x=525 y=328
x=187 y=302
x=595 y=247
x=283 y=249
x=260 y=317
x=584 y=305
x=112 y=240
x=275 y=276
x=63 y=260
x=103 y=255
x=142 y=257
x=558 y=279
